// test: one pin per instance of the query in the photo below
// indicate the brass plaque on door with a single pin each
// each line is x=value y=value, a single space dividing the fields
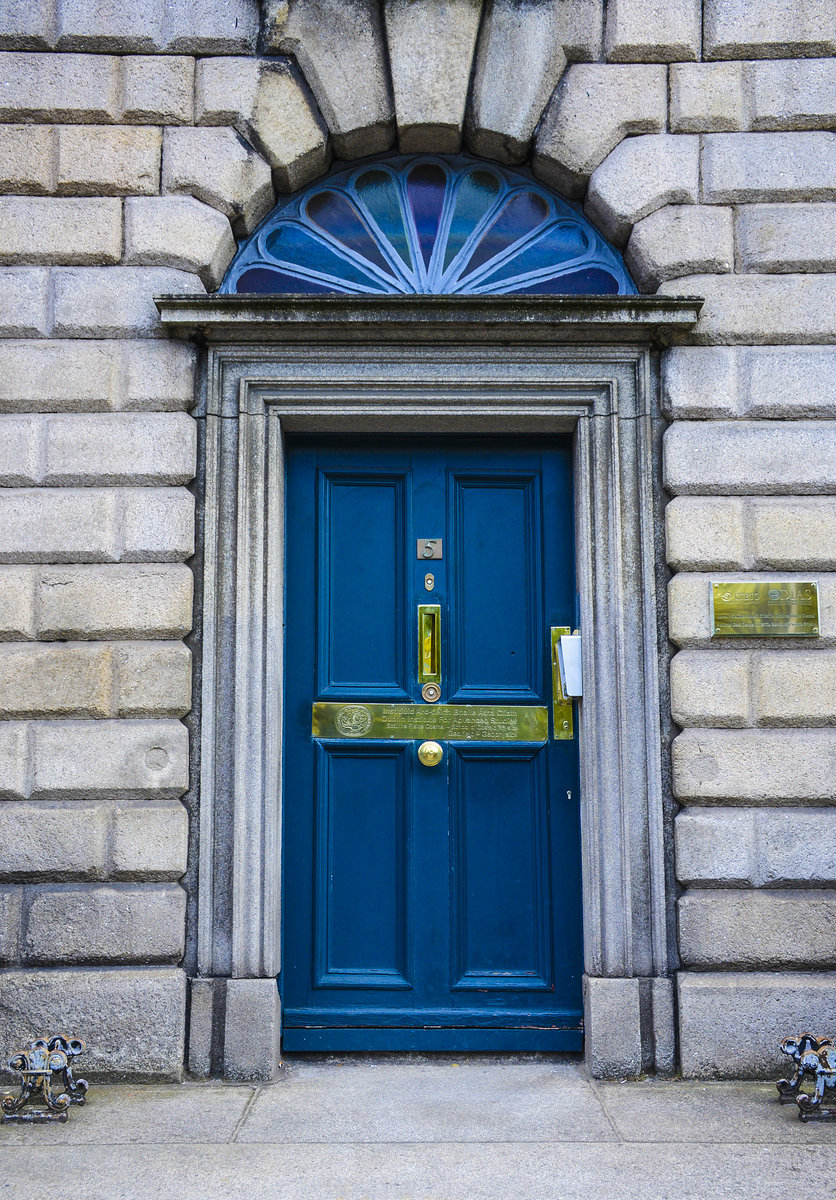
x=436 y=722
x=764 y=608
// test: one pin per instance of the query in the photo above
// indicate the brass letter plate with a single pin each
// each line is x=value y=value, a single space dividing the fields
x=432 y=722
x=764 y=608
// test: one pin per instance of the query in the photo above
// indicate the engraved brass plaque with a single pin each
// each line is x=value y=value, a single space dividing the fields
x=764 y=608
x=436 y=722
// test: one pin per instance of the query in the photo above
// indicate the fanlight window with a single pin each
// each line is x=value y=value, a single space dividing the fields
x=431 y=225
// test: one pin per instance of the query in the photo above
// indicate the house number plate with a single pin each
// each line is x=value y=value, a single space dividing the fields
x=430 y=548
x=434 y=722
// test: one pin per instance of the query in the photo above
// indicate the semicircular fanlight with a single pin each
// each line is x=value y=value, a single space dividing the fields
x=431 y=225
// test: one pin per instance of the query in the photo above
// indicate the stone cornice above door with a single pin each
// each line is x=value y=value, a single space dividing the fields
x=551 y=319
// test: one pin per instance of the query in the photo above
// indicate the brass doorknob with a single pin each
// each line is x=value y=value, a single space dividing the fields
x=430 y=754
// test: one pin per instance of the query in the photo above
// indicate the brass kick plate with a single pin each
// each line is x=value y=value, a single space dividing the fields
x=437 y=722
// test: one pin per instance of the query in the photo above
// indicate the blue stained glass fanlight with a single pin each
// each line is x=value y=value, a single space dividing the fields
x=430 y=225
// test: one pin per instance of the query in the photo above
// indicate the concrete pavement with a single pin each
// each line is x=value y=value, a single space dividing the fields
x=430 y=1128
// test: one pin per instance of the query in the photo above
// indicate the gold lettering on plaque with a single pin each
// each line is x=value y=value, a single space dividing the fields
x=438 y=722
x=764 y=608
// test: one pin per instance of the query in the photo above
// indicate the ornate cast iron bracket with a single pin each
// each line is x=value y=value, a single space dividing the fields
x=46 y=1073
x=814 y=1058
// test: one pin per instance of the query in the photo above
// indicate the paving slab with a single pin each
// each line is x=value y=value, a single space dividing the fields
x=466 y=1100
x=459 y=1171
x=656 y=1110
x=424 y=1128
x=147 y=1114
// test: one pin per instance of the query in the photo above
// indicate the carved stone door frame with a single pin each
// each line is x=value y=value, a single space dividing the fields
x=420 y=365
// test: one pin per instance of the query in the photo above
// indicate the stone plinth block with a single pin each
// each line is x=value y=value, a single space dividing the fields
x=181 y=232
x=680 y=239
x=106 y=759
x=787 y=237
x=339 y=45
x=505 y=103
x=594 y=107
x=134 y=601
x=290 y=133
x=755 y=765
x=756 y=847
x=217 y=166
x=770 y=29
x=760 y=309
x=252 y=1030
x=95 y=376
x=707 y=98
x=612 y=1023
x=641 y=175
x=59 y=87
x=751 y=167
x=430 y=54
x=81 y=923
x=658 y=31
x=132 y=1020
x=755 y=457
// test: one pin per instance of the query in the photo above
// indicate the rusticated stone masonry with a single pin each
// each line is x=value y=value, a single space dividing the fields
x=139 y=142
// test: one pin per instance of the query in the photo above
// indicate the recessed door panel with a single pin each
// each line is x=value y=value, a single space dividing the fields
x=432 y=899
x=500 y=869
x=363 y=816
x=495 y=578
x=360 y=534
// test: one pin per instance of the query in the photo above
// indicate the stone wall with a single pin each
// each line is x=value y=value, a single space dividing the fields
x=138 y=141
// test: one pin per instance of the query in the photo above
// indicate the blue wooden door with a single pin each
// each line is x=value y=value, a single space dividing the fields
x=428 y=907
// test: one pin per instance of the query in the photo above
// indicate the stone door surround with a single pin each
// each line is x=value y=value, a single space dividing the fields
x=477 y=365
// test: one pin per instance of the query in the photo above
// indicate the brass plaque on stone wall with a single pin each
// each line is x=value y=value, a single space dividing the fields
x=764 y=608
x=438 y=722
